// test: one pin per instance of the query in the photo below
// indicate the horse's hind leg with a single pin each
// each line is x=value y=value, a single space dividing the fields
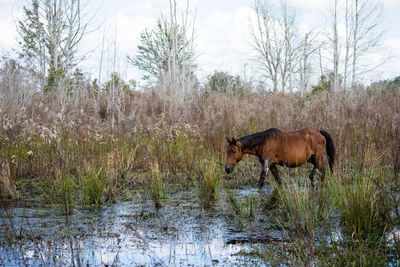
x=321 y=168
x=274 y=171
x=318 y=163
x=312 y=175
x=313 y=161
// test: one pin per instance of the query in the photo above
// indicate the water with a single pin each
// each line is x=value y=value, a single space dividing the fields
x=134 y=234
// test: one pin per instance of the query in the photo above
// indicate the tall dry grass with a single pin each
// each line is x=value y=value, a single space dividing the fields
x=93 y=146
x=354 y=120
x=124 y=131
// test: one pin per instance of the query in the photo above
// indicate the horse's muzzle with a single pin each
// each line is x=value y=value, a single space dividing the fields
x=229 y=168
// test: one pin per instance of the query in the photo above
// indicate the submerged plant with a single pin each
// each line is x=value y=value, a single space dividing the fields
x=246 y=207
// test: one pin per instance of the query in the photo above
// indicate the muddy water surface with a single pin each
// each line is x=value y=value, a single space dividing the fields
x=134 y=233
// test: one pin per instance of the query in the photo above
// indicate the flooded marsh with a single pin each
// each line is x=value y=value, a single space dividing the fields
x=290 y=225
x=133 y=233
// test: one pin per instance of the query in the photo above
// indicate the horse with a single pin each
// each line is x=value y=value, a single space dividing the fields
x=291 y=149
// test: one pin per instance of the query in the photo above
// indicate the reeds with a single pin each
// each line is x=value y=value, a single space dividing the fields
x=300 y=212
x=62 y=191
x=244 y=208
x=344 y=222
x=361 y=209
x=126 y=135
x=92 y=182
x=156 y=187
x=208 y=182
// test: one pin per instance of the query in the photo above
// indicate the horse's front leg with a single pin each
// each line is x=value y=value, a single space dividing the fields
x=264 y=173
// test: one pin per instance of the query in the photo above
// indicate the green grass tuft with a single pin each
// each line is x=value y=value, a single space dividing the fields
x=93 y=184
x=208 y=183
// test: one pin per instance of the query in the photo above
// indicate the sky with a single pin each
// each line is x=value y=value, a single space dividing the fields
x=221 y=29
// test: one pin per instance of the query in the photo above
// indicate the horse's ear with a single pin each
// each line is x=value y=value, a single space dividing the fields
x=229 y=141
x=233 y=141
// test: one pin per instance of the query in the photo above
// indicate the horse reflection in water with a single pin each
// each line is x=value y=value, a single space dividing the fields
x=291 y=149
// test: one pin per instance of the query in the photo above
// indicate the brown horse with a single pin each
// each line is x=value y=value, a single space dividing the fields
x=292 y=149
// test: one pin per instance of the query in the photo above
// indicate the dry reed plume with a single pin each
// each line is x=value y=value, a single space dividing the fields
x=124 y=131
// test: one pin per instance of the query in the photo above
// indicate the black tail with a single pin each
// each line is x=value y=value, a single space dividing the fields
x=330 y=149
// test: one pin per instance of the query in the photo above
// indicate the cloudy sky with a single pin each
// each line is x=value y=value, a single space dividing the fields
x=222 y=33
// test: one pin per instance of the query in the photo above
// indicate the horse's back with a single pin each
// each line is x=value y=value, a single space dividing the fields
x=308 y=134
x=298 y=146
x=316 y=141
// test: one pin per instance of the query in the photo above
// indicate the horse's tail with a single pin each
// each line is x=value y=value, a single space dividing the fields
x=330 y=149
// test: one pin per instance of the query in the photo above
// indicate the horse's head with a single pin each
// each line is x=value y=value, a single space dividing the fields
x=233 y=154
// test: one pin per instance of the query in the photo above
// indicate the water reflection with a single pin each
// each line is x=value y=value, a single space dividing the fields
x=129 y=233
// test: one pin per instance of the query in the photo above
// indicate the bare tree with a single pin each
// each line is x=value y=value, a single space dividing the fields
x=335 y=44
x=166 y=53
x=263 y=41
x=291 y=55
x=348 y=42
x=367 y=32
x=53 y=13
x=17 y=83
x=363 y=31
x=309 y=47
x=77 y=28
x=275 y=41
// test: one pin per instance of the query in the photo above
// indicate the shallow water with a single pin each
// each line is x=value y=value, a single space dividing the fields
x=134 y=233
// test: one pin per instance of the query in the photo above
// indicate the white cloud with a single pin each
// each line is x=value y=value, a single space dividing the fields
x=392 y=47
x=8 y=33
x=391 y=3
x=222 y=41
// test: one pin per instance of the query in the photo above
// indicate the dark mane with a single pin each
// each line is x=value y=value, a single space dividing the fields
x=256 y=139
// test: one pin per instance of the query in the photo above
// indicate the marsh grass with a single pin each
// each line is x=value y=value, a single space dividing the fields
x=149 y=126
x=118 y=169
x=49 y=143
x=352 y=253
x=299 y=208
x=92 y=182
x=63 y=188
x=244 y=208
x=208 y=185
x=157 y=186
x=349 y=201
x=362 y=209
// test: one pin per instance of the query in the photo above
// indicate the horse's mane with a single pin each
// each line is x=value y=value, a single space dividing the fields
x=256 y=139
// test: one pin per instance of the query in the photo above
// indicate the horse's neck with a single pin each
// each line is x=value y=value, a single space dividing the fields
x=252 y=151
x=258 y=151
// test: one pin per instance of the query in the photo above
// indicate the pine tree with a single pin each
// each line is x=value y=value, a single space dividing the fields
x=33 y=41
x=50 y=35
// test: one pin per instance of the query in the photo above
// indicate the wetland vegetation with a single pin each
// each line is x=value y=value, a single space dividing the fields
x=141 y=169
x=105 y=172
